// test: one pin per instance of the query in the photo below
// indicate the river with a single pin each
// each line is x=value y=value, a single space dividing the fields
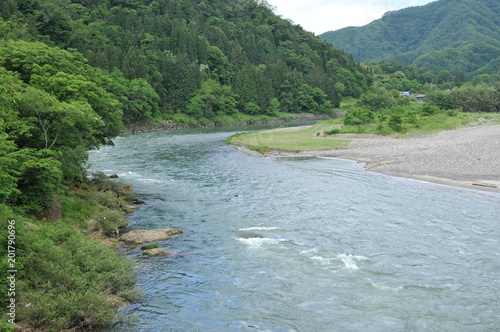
x=302 y=243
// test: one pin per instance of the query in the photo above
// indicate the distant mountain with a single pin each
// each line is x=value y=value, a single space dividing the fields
x=453 y=35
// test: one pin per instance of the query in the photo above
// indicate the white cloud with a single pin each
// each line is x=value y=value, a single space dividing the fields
x=320 y=16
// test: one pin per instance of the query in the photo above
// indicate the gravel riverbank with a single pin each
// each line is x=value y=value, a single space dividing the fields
x=466 y=157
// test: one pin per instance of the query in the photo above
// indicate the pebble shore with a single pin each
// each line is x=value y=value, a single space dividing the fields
x=466 y=157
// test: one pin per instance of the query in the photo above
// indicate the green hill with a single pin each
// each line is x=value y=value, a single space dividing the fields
x=204 y=59
x=452 y=35
x=72 y=72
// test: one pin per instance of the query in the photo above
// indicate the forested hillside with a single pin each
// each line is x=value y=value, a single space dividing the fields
x=452 y=35
x=199 y=58
x=72 y=72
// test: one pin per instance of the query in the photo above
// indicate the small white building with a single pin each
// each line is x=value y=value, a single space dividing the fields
x=404 y=93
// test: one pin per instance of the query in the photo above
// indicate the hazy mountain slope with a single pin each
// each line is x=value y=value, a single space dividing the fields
x=453 y=35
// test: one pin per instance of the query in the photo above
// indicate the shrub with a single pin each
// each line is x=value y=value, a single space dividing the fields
x=358 y=116
x=6 y=326
x=396 y=123
x=110 y=222
x=377 y=101
x=428 y=110
x=333 y=132
x=382 y=130
x=71 y=278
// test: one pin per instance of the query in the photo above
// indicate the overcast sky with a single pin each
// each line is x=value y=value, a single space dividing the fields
x=320 y=16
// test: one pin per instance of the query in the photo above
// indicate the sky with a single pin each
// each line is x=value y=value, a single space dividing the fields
x=320 y=16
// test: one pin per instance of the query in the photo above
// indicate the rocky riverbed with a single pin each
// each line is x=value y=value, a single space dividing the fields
x=466 y=157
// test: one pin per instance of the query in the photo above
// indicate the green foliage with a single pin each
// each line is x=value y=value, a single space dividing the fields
x=40 y=179
x=159 y=53
x=211 y=100
x=429 y=110
x=71 y=278
x=479 y=98
x=358 y=116
x=8 y=172
x=65 y=278
x=396 y=123
x=441 y=99
x=150 y=246
x=109 y=222
x=274 y=107
x=471 y=97
x=6 y=326
x=457 y=37
x=377 y=100
x=251 y=108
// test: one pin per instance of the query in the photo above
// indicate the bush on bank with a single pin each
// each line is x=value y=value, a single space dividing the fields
x=67 y=278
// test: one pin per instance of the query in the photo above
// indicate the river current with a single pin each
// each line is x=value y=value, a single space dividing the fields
x=302 y=243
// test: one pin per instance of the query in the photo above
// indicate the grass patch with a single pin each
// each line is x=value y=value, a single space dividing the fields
x=410 y=121
x=289 y=139
x=150 y=246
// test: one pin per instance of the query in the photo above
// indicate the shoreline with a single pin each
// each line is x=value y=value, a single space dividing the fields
x=171 y=125
x=468 y=157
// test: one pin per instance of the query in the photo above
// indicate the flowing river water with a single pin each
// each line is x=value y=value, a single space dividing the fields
x=302 y=243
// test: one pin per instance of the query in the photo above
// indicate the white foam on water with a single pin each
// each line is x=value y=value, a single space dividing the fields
x=322 y=260
x=384 y=287
x=258 y=228
x=342 y=261
x=138 y=177
x=130 y=174
x=257 y=242
x=151 y=180
x=305 y=252
x=350 y=261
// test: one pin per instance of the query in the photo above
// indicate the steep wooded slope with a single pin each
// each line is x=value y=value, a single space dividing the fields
x=452 y=35
x=203 y=58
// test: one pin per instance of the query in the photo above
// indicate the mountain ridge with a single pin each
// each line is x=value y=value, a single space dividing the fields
x=453 y=35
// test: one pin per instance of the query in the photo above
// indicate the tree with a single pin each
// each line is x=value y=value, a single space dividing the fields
x=8 y=173
x=251 y=108
x=40 y=178
x=441 y=99
x=54 y=123
x=274 y=107
x=358 y=116
x=479 y=98
x=377 y=100
x=212 y=99
x=66 y=76
x=444 y=76
x=219 y=65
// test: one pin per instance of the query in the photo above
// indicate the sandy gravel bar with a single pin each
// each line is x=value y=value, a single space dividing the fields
x=466 y=157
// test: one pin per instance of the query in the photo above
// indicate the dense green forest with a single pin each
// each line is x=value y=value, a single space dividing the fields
x=73 y=72
x=458 y=36
x=203 y=59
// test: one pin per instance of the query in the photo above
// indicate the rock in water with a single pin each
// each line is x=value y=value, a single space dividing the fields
x=143 y=236
x=159 y=252
x=128 y=208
